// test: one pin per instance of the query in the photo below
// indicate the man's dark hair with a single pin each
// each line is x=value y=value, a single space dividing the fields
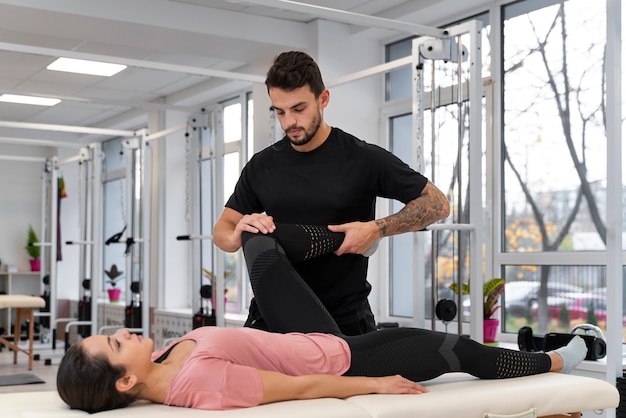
x=295 y=69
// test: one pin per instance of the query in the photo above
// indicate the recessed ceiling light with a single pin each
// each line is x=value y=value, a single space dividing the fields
x=31 y=100
x=72 y=65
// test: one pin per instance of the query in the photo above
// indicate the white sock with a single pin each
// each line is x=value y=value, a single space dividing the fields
x=572 y=354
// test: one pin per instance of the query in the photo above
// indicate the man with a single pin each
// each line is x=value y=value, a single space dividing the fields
x=320 y=175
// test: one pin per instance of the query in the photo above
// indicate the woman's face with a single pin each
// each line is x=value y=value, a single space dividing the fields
x=122 y=348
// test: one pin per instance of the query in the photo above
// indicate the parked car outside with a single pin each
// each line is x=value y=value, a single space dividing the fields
x=578 y=306
x=517 y=297
x=559 y=302
x=520 y=297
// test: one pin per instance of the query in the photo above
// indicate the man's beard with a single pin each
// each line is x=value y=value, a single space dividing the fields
x=308 y=133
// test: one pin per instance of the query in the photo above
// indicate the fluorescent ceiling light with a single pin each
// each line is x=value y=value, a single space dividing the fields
x=31 y=100
x=72 y=65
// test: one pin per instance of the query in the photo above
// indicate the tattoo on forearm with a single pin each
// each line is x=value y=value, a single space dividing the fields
x=382 y=227
x=417 y=214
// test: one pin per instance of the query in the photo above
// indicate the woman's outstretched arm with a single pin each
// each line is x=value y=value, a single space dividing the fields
x=281 y=387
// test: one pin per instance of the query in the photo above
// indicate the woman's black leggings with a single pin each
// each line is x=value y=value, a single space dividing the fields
x=289 y=305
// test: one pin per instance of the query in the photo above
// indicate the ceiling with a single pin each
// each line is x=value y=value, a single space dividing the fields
x=181 y=54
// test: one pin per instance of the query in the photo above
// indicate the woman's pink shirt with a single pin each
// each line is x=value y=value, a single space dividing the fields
x=222 y=370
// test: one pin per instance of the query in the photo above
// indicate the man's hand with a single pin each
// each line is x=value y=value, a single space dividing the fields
x=429 y=207
x=360 y=236
x=255 y=223
x=229 y=227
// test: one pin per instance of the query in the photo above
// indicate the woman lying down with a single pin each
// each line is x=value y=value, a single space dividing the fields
x=305 y=357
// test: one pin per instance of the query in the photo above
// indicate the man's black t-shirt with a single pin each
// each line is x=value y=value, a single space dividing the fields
x=336 y=183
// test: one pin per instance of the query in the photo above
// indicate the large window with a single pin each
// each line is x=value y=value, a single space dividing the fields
x=401 y=287
x=554 y=133
x=236 y=125
x=549 y=163
x=554 y=159
x=396 y=81
x=446 y=164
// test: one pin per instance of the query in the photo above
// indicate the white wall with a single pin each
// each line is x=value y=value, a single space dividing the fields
x=20 y=202
x=69 y=278
x=355 y=106
x=21 y=197
x=175 y=286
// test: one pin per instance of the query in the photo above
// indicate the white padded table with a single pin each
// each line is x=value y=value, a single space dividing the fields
x=455 y=395
x=24 y=306
x=462 y=395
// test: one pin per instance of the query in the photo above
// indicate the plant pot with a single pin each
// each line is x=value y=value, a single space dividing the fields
x=114 y=294
x=490 y=329
x=35 y=264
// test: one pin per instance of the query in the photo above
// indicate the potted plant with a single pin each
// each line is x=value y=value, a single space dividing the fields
x=33 y=250
x=492 y=289
x=114 y=276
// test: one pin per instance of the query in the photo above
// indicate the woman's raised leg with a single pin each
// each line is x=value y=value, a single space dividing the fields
x=284 y=299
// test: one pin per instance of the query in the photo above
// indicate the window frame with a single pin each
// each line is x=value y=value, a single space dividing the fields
x=495 y=258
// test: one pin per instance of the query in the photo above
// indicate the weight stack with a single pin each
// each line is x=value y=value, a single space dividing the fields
x=201 y=319
x=84 y=314
x=621 y=388
x=44 y=321
x=132 y=318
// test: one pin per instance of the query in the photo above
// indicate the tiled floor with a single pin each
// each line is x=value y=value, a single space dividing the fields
x=46 y=373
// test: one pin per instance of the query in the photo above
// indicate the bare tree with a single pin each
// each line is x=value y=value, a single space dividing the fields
x=569 y=102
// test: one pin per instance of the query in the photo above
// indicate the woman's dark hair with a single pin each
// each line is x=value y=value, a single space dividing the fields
x=87 y=382
x=295 y=69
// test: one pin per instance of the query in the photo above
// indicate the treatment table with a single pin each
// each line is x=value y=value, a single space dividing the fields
x=454 y=395
x=24 y=306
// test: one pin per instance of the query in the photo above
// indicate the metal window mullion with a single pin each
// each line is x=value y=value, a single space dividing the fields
x=419 y=260
x=195 y=215
x=219 y=204
x=614 y=264
x=54 y=232
x=145 y=205
x=475 y=179
x=97 y=262
x=130 y=147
